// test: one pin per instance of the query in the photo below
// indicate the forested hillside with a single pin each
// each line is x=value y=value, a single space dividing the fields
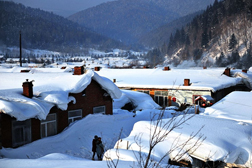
x=128 y=20
x=161 y=35
x=221 y=36
x=44 y=30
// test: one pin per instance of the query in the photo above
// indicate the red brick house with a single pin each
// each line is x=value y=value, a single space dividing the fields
x=94 y=98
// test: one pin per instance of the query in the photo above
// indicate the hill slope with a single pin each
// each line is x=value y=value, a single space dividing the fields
x=45 y=30
x=161 y=35
x=127 y=20
x=221 y=36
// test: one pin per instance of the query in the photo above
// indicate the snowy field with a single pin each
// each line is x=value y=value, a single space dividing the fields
x=218 y=135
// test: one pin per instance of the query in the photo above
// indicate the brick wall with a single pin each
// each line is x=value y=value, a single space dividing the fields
x=28 y=89
x=78 y=70
x=6 y=130
x=187 y=82
x=35 y=129
x=94 y=96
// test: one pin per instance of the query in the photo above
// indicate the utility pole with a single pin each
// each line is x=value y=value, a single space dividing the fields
x=20 y=49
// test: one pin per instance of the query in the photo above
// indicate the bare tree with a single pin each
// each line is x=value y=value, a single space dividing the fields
x=159 y=130
x=111 y=163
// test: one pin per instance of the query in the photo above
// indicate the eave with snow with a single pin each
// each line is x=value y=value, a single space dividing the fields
x=57 y=100
x=178 y=86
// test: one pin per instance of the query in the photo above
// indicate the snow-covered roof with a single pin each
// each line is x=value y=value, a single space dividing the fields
x=200 y=79
x=225 y=140
x=50 y=89
x=236 y=106
x=205 y=98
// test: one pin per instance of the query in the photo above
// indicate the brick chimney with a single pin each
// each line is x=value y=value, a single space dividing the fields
x=97 y=68
x=187 y=82
x=24 y=71
x=28 y=88
x=245 y=70
x=166 y=68
x=78 y=70
x=227 y=72
x=114 y=80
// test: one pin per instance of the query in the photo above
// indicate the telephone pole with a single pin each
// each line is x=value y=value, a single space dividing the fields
x=20 y=49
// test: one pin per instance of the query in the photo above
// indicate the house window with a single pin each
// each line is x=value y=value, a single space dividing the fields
x=99 y=109
x=74 y=115
x=144 y=91
x=49 y=126
x=161 y=98
x=21 y=132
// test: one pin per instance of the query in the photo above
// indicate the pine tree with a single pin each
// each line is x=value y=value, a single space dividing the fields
x=187 y=40
x=171 y=44
x=235 y=57
x=204 y=39
x=247 y=59
x=177 y=37
x=232 y=42
x=219 y=61
x=182 y=36
x=215 y=4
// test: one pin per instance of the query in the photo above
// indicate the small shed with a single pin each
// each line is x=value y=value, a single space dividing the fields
x=204 y=101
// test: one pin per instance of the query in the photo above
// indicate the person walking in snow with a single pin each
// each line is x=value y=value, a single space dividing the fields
x=99 y=148
x=94 y=142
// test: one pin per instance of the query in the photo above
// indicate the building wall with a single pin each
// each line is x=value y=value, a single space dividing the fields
x=6 y=124
x=35 y=129
x=222 y=93
x=93 y=96
x=187 y=96
x=151 y=91
x=182 y=96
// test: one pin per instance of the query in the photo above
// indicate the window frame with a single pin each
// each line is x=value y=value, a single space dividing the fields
x=45 y=123
x=101 y=112
x=25 y=126
x=73 y=118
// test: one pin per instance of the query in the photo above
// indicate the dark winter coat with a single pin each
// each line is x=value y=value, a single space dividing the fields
x=94 y=142
x=99 y=148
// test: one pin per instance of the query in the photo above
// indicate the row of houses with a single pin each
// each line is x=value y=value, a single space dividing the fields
x=178 y=87
x=31 y=110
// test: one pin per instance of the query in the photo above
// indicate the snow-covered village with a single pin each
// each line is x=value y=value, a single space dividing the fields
x=95 y=96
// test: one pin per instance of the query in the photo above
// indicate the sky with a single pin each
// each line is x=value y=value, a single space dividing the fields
x=61 y=7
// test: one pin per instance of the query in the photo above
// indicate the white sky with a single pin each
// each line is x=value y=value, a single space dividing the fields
x=61 y=7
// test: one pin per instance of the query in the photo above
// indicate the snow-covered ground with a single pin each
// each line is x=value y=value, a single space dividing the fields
x=225 y=136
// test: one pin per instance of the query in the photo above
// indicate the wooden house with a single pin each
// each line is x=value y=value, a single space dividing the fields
x=91 y=95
